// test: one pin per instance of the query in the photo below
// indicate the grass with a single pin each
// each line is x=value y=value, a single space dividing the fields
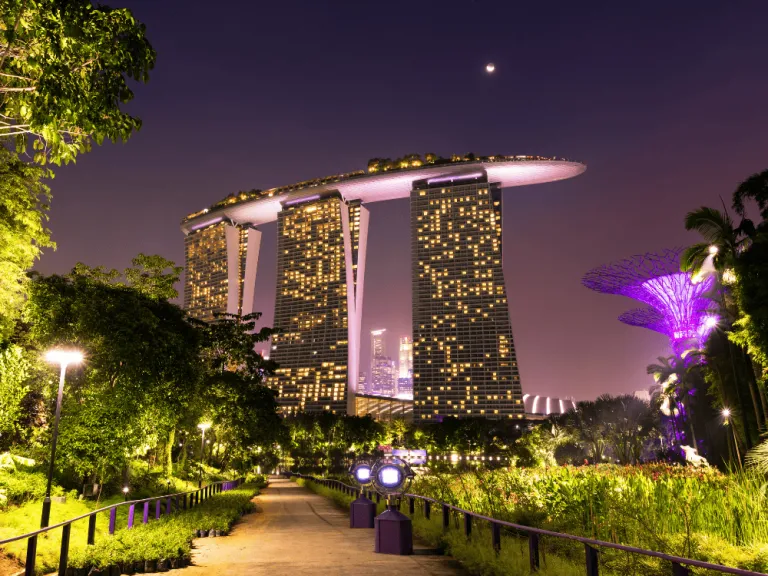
x=153 y=541
x=699 y=514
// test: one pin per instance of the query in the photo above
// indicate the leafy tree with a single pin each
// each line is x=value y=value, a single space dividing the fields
x=14 y=372
x=64 y=70
x=679 y=378
x=23 y=233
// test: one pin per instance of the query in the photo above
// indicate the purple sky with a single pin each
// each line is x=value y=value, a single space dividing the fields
x=664 y=101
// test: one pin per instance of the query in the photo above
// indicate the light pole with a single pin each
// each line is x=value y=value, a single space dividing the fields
x=726 y=412
x=63 y=358
x=203 y=426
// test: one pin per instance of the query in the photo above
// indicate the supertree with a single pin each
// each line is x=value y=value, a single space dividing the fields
x=678 y=305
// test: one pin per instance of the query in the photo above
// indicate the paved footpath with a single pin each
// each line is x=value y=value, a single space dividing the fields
x=297 y=532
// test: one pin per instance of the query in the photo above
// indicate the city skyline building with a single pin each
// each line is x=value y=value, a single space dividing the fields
x=322 y=241
x=405 y=364
x=464 y=360
x=383 y=370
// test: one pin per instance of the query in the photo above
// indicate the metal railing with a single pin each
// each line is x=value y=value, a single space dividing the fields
x=163 y=505
x=680 y=565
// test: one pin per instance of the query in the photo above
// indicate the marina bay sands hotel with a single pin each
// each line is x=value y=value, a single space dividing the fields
x=464 y=361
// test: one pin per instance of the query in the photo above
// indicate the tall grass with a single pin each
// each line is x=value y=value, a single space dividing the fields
x=700 y=514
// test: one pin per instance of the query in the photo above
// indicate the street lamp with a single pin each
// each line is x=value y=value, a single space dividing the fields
x=726 y=412
x=203 y=426
x=63 y=358
x=125 y=493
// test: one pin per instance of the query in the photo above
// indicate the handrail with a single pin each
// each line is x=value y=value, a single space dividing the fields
x=195 y=496
x=675 y=560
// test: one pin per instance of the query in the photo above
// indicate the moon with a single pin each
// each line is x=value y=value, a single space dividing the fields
x=490 y=67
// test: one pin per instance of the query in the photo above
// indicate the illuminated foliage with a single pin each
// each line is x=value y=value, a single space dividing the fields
x=64 y=70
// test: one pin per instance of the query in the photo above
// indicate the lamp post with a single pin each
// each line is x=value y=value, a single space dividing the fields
x=203 y=426
x=63 y=358
x=726 y=412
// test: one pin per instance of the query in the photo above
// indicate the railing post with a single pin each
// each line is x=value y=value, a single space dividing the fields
x=593 y=568
x=378 y=497
x=29 y=565
x=411 y=505
x=467 y=524
x=446 y=517
x=426 y=509
x=680 y=570
x=64 y=554
x=496 y=537
x=112 y=520
x=131 y=514
x=167 y=506
x=92 y=529
x=533 y=551
x=145 y=516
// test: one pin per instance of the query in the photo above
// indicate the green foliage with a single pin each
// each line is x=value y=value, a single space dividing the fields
x=169 y=537
x=64 y=70
x=14 y=371
x=757 y=458
x=681 y=511
x=23 y=232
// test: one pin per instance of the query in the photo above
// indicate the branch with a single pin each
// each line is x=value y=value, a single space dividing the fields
x=19 y=77
x=28 y=89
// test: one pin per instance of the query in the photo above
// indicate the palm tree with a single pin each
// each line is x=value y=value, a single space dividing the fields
x=678 y=377
x=724 y=243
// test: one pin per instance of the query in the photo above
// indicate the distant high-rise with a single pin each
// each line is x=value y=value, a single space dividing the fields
x=383 y=370
x=316 y=306
x=215 y=257
x=464 y=360
x=405 y=368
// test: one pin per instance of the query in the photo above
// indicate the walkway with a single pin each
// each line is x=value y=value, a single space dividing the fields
x=300 y=533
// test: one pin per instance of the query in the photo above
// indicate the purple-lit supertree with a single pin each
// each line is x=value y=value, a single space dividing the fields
x=678 y=306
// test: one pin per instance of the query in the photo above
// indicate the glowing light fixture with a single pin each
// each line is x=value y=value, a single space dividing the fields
x=713 y=249
x=490 y=68
x=64 y=357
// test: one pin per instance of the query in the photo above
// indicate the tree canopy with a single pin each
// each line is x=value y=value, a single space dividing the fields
x=65 y=67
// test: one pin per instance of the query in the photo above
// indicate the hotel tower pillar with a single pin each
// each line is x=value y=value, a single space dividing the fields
x=321 y=246
x=464 y=361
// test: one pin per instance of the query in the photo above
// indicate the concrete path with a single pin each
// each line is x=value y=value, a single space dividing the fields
x=297 y=532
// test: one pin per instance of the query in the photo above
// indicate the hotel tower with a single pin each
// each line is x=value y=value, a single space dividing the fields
x=464 y=361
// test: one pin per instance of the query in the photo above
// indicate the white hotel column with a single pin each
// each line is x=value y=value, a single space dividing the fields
x=235 y=272
x=354 y=300
x=251 y=264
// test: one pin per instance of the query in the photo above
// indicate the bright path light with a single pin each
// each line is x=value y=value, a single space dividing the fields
x=204 y=426
x=363 y=474
x=490 y=67
x=64 y=357
x=389 y=476
x=713 y=249
x=726 y=412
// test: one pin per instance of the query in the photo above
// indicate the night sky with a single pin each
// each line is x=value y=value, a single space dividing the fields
x=664 y=101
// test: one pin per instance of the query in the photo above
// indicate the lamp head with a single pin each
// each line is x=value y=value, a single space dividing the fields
x=204 y=426
x=361 y=471
x=713 y=249
x=64 y=357
x=726 y=412
x=126 y=489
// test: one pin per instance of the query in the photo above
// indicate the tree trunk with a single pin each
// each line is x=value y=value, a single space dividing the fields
x=169 y=452
x=759 y=385
x=742 y=406
x=752 y=392
x=183 y=456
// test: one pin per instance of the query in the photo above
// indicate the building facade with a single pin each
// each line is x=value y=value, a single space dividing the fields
x=405 y=366
x=317 y=299
x=464 y=361
x=215 y=257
